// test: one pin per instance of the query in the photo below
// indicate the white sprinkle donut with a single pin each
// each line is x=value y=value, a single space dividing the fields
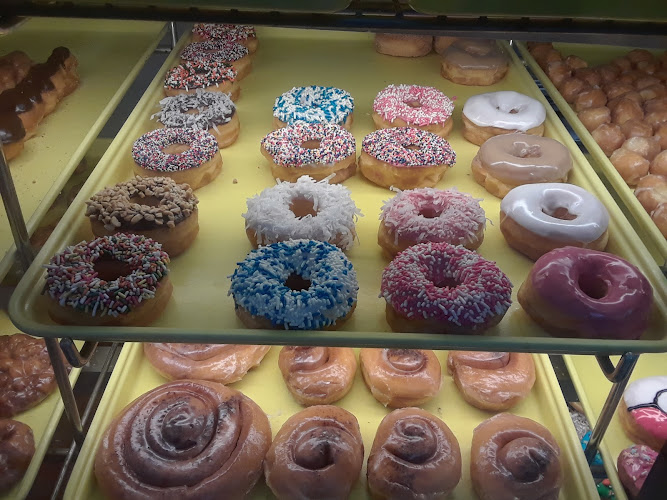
x=494 y=113
x=313 y=104
x=305 y=209
x=537 y=218
x=245 y=35
x=221 y=51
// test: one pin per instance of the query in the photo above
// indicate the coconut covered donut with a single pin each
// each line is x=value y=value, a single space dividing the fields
x=213 y=76
x=314 y=104
x=306 y=209
x=222 y=51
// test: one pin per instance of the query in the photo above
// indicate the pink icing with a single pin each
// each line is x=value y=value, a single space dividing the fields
x=392 y=103
x=652 y=419
x=634 y=464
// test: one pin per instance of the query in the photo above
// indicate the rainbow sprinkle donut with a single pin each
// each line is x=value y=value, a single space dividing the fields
x=393 y=146
x=200 y=74
x=234 y=32
x=314 y=104
x=216 y=50
x=297 y=284
x=413 y=104
x=147 y=150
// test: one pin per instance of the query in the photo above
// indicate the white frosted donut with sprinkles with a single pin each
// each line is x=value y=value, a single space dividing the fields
x=222 y=51
x=315 y=149
x=110 y=281
x=242 y=34
x=413 y=106
x=188 y=156
x=306 y=209
x=441 y=288
x=431 y=215
x=314 y=104
x=405 y=158
x=295 y=285
x=213 y=76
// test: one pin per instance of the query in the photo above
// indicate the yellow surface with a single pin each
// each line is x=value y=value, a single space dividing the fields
x=592 y=387
x=134 y=376
x=594 y=55
x=201 y=311
x=42 y=419
x=110 y=55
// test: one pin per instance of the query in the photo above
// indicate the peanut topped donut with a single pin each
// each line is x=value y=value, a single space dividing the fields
x=213 y=76
x=222 y=51
x=242 y=34
x=414 y=106
x=313 y=104
x=474 y=62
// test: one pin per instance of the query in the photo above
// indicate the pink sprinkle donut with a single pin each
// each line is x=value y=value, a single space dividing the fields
x=431 y=215
x=634 y=464
x=221 y=51
x=442 y=288
x=202 y=74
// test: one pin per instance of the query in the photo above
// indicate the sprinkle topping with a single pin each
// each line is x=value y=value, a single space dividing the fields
x=233 y=32
x=285 y=145
x=394 y=146
x=147 y=150
x=225 y=51
x=399 y=101
x=72 y=280
x=199 y=74
x=481 y=291
x=259 y=284
x=213 y=108
x=314 y=104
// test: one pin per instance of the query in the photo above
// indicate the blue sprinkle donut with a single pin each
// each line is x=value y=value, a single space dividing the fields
x=313 y=104
x=296 y=284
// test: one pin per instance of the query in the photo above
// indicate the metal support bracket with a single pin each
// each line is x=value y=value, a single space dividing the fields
x=75 y=357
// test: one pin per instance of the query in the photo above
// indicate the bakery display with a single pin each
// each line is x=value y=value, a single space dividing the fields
x=213 y=76
x=221 y=51
x=17 y=447
x=314 y=104
x=401 y=377
x=633 y=465
x=242 y=34
x=414 y=455
x=642 y=411
x=317 y=453
x=394 y=44
x=469 y=61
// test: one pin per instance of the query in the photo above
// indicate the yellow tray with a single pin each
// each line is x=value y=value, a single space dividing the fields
x=134 y=375
x=594 y=55
x=592 y=387
x=110 y=55
x=43 y=419
x=201 y=311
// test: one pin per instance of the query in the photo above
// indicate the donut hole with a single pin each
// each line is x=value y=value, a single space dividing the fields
x=512 y=111
x=311 y=144
x=523 y=150
x=109 y=269
x=413 y=104
x=592 y=285
x=297 y=282
x=430 y=212
x=175 y=149
x=446 y=282
x=149 y=201
x=561 y=213
x=302 y=207
x=412 y=147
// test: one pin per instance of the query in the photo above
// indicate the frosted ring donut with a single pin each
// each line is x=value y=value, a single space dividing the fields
x=213 y=76
x=221 y=51
x=643 y=411
x=243 y=34
x=503 y=112
x=313 y=104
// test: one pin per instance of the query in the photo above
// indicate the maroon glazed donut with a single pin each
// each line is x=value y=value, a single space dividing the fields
x=576 y=292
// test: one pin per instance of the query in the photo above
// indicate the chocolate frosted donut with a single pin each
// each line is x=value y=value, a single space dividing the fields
x=17 y=446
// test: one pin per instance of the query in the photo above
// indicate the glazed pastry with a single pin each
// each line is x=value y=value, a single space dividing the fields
x=224 y=363
x=633 y=465
x=17 y=447
x=643 y=411
x=186 y=439
x=474 y=62
x=401 y=377
x=494 y=381
x=403 y=45
x=514 y=458
x=652 y=194
x=414 y=456
x=317 y=453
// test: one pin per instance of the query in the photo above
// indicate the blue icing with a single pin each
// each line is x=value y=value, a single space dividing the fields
x=314 y=104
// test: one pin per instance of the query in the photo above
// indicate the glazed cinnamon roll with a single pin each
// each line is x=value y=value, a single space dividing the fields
x=318 y=375
x=401 y=377
x=184 y=440
x=492 y=380
x=514 y=458
x=317 y=453
x=414 y=456
x=224 y=363
x=17 y=446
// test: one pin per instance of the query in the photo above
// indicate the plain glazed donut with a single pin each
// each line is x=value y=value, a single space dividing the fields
x=314 y=149
x=222 y=51
x=401 y=377
x=592 y=118
x=576 y=292
x=431 y=215
x=414 y=456
x=405 y=158
x=440 y=288
x=111 y=281
x=403 y=45
x=474 y=62
x=609 y=137
x=305 y=209
x=643 y=411
x=415 y=106
x=245 y=35
x=223 y=363
x=187 y=155
x=17 y=447
x=634 y=465
x=296 y=284
x=509 y=160
x=503 y=112
x=494 y=381
x=213 y=76
x=318 y=375
x=314 y=104
x=440 y=43
x=651 y=192
x=632 y=166
x=537 y=218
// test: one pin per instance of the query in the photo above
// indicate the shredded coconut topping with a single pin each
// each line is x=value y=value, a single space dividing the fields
x=199 y=74
x=258 y=284
x=392 y=145
x=147 y=150
x=225 y=51
x=224 y=31
x=213 y=108
x=397 y=101
x=314 y=104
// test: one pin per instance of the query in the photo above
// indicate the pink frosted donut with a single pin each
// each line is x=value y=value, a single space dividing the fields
x=634 y=464
x=643 y=411
x=442 y=288
x=431 y=215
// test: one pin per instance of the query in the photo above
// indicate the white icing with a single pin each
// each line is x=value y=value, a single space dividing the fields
x=493 y=110
x=643 y=391
x=528 y=203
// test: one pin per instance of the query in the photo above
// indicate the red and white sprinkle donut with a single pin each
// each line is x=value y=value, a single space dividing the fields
x=415 y=106
x=187 y=155
x=431 y=215
x=442 y=288
x=245 y=35
x=221 y=51
x=405 y=158
x=213 y=76
x=315 y=149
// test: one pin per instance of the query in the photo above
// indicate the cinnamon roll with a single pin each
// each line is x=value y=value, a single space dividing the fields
x=401 y=377
x=492 y=380
x=17 y=446
x=414 y=456
x=514 y=458
x=318 y=375
x=224 y=363
x=184 y=440
x=317 y=453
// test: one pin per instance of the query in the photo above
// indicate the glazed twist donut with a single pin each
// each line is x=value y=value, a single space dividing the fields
x=414 y=455
x=17 y=447
x=187 y=439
